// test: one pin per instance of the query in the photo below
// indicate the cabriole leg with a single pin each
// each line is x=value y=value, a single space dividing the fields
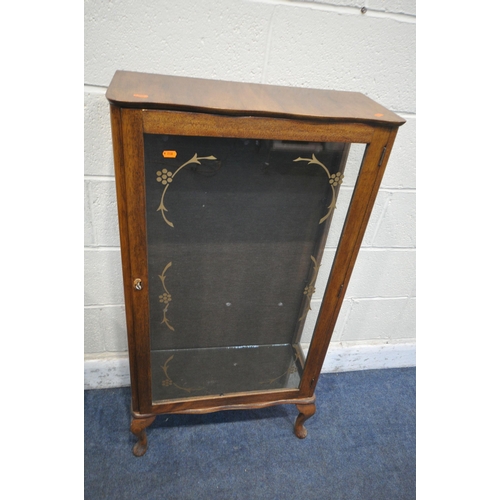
x=305 y=412
x=137 y=427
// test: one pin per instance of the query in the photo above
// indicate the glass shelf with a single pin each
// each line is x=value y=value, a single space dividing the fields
x=181 y=373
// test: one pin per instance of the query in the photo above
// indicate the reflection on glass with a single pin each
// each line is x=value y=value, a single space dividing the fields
x=235 y=232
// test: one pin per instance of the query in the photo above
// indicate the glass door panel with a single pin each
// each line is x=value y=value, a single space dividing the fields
x=235 y=237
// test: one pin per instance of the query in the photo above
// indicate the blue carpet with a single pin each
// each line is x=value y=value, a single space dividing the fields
x=361 y=445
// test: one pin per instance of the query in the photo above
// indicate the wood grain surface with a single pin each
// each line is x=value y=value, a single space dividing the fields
x=150 y=91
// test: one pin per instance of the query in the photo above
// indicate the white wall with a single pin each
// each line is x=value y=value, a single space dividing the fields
x=328 y=44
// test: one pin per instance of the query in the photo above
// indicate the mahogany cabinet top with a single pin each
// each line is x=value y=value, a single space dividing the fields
x=149 y=91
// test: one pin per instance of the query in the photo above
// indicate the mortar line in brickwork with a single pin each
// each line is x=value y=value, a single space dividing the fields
x=101 y=248
x=98 y=89
x=340 y=9
x=405 y=114
x=396 y=297
x=268 y=47
x=388 y=249
x=89 y=356
x=381 y=217
x=395 y=16
x=398 y=190
x=106 y=178
x=103 y=306
x=375 y=297
x=88 y=198
x=347 y=306
x=374 y=249
x=400 y=341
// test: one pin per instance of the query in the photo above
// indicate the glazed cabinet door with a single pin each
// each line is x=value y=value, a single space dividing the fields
x=227 y=221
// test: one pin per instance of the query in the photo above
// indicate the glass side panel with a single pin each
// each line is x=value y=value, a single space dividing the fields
x=351 y=171
x=236 y=230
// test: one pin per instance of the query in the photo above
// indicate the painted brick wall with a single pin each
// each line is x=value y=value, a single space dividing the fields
x=329 y=44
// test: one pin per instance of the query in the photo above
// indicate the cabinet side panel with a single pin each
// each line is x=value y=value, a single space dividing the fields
x=366 y=190
x=379 y=171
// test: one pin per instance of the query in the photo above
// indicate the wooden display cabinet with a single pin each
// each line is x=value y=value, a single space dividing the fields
x=226 y=195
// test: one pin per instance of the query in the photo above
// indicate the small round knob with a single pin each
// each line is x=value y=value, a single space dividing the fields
x=138 y=284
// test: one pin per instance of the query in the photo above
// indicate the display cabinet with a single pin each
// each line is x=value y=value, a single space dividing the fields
x=227 y=195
